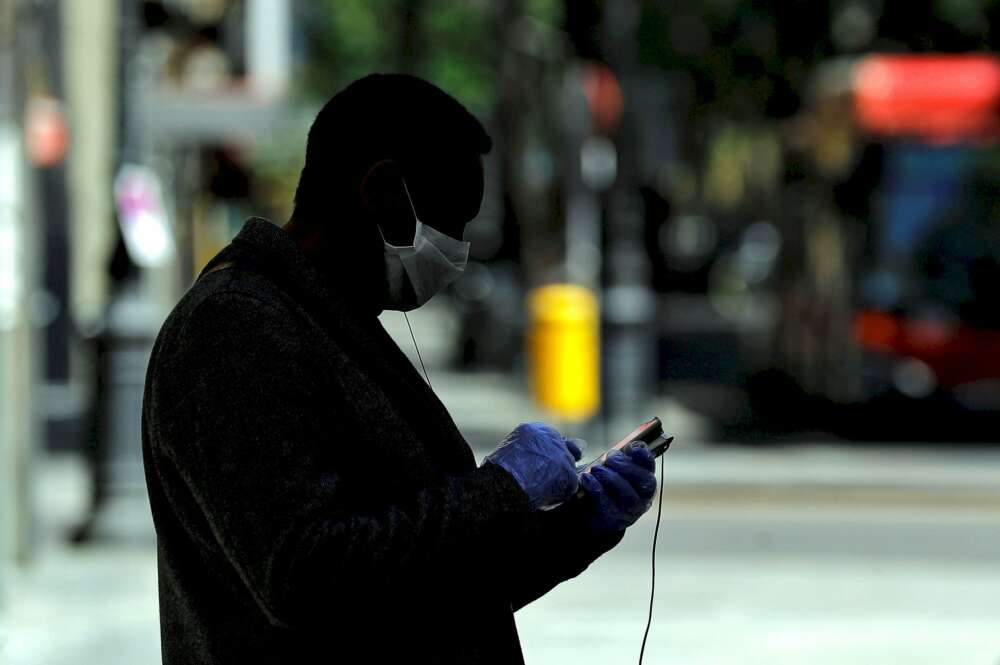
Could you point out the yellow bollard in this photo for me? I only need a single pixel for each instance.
(563, 341)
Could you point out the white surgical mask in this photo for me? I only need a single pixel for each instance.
(432, 262)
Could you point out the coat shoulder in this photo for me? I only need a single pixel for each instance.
(217, 316)
(246, 287)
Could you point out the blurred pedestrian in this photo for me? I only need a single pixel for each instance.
(313, 500)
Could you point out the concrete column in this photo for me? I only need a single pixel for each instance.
(269, 46)
(11, 318)
(90, 65)
(15, 376)
(17, 264)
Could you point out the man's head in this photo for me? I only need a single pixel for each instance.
(375, 134)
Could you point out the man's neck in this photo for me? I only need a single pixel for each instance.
(363, 278)
(308, 238)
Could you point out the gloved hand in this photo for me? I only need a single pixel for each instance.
(541, 461)
(621, 488)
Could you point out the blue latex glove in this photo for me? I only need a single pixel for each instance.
(621, 488)
(541, 461)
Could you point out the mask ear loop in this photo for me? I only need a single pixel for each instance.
(413, 209)
(413, 337)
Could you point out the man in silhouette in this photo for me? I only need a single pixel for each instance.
(313, 500)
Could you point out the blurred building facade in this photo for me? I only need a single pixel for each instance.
(86, 91)
(701, 167)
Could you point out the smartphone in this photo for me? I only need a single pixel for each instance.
(650, 433)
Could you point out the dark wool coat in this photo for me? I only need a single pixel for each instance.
(313, 500)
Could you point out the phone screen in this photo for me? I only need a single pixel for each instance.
(646, 432)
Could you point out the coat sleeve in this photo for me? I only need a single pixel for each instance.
(557, 546)
(260, 471)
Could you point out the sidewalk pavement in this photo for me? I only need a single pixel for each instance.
(95, 604)
(791, 582)
(98, 604)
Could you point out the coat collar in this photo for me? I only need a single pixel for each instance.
(267, 248)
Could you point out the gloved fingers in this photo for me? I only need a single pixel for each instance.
(540, 429)
(566, 453)
(547, 442)
(575, 447)
(617, 488)
(548, 435)
(640, 454)
(643, 481)
(566, 487)
(590, 485)
(524, 432)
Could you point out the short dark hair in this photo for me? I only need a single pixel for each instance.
(384, 116)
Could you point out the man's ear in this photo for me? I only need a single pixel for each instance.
(380, 188)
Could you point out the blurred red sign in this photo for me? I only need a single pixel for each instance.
(604, 97)
(940, 98)
(46, 135)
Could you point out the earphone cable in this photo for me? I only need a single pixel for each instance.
(652, 583)
(419, 357)
(659, 510)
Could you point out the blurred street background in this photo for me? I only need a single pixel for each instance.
(774, 225)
